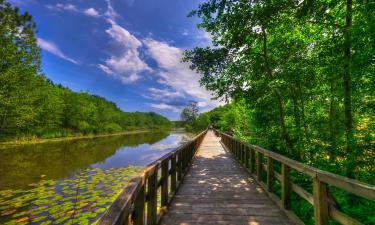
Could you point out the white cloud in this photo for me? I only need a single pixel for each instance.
(176, 74)
(110, 13)
(53, 49)
(155, 93)
(164, 106)
(63, 7)
(91, 12)
(60, 7)
(205, 37)
(185, 32)
(124, 64)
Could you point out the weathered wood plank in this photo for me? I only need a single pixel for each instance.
(217, 190)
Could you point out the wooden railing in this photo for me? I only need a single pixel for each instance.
(251, 157)
(138, 203)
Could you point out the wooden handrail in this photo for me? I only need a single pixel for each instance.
(143, 190)
(323, 208)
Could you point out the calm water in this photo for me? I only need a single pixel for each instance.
(74, 181)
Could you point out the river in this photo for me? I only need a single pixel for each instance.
(74, 181)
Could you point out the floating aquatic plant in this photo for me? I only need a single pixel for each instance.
(81, 199)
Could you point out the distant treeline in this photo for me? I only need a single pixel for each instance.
(31, 105)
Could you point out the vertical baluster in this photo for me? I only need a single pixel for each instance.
(320, 202)
(173, 173)
(259, 166)
(164, 182)
(152, 198)
(252, 160)
(139, 207)
(270, 174)
(179, 166)
(247, 153)
(241, 153)
(285, 186)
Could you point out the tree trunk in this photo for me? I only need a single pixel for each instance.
(278, 99)
(347, 90)
(332, 122)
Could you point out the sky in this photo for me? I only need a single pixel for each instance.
(128, 51)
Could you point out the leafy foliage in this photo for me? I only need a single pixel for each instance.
(81, 199)
(303, 73)
(32, 105)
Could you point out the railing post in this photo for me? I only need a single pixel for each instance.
(243, 156)
(320, 202)
(247, 153)
(179, 166)
(164, 183)
(269, 173)
(252, 160)
(285, 186)
(173, 173)
(139, 207)
(259, 166)
(184, 161)
(152, 184)
(238, 150)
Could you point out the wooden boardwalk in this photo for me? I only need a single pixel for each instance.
(217, 190)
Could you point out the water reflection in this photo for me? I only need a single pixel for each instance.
(75, 181)
(27, 164)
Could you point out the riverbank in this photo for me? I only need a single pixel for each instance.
(38, 140)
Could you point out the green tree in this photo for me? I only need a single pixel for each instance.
(19, 66)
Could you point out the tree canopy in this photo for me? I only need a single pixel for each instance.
(301, 73)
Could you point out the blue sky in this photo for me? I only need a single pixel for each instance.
(127, 51)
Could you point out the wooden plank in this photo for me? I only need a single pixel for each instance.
(164, 183)
(320, 202)
(269, 174)
(259, 166)
(303, 193)
(252, 160)
(285, 186)
(342, 217)
(118, 212)
(218, 189)
(152, 199)
(173, 173)
(247, 157)
(353, 186)
(139, 207)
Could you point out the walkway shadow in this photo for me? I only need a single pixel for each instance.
(217, 190)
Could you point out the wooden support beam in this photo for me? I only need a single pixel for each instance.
(247, 157)
(320, 202)
(270, 175)
(152, 198)
(285, 186)
(173, 173)
(259, 166)
(164, 183)
(252, 160)
(139, 207)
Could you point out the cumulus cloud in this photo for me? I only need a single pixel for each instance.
(91, 12)
(53, 49)
(124, 63)
(177, 75)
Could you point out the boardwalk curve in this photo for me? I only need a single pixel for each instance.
(217, 190)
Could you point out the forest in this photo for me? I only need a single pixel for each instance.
(32, 105)
(299, 77)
